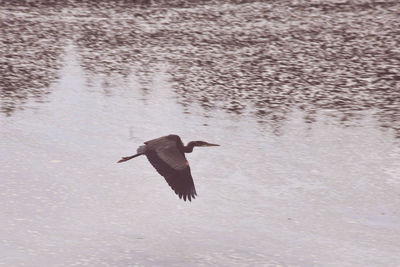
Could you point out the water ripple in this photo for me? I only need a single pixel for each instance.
(262, 59)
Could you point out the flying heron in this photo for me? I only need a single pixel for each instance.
(167, 155)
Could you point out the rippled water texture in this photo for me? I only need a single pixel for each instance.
(302, 96)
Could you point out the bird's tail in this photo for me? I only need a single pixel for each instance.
(123, 159)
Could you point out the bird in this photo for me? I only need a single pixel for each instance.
(167, 155)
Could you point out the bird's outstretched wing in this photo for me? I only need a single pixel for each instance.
(171, 163)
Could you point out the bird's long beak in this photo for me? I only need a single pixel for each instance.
(208, 144)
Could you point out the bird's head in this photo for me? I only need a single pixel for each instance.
(202, 143)
(192, 144)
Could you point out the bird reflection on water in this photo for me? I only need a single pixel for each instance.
(167, 155)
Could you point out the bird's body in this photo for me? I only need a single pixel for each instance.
(167, 155)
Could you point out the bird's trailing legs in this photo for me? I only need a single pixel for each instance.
(123, 159)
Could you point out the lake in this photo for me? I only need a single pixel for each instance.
(302, 96)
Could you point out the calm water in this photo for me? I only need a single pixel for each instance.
(304, 100)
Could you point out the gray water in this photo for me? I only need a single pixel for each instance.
(303, 97)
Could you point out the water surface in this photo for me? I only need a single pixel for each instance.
(303, 99)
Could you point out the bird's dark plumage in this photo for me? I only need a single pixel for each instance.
(167, 155)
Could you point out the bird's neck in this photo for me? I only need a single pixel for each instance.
(188, 148)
